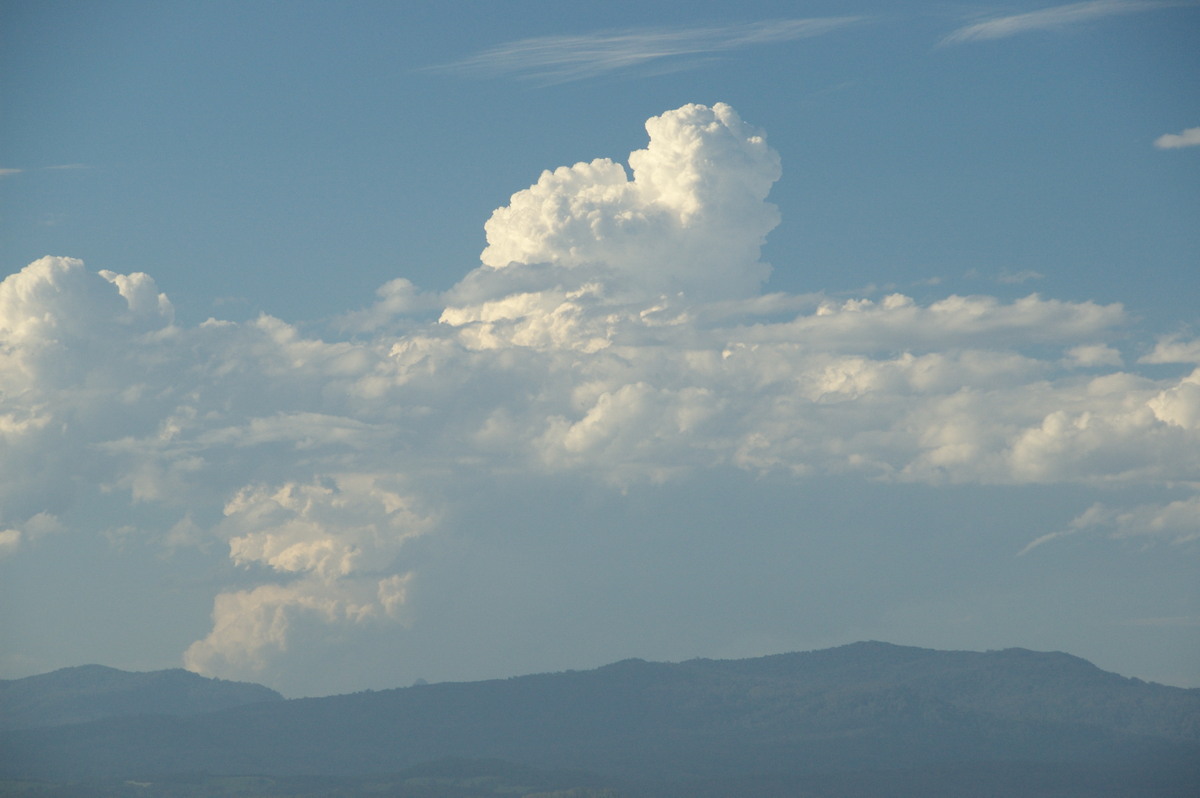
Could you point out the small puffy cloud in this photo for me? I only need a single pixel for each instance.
(1052, 18)
(1092, 356)
(558, 59)
(1179, 405)
(396, 299)
(1173, 141)
(10, 541)
(1174, 350)
(36, 527)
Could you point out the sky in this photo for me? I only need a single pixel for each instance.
(345, 345)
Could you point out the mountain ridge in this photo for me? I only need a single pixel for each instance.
(83, 693)
(852, 709)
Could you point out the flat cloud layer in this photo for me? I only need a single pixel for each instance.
(616, 329)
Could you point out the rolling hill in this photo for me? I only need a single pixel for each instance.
(814, 723)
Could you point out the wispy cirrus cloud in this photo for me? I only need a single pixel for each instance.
(1174, 141)
(561, 59)
(8, 172)
(1048, 19)
(1016, 278)
(1175, 620)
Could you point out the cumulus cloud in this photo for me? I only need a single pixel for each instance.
(691, 219)
(1092, 356)
(1173, 141)
(1052, 18)
(28, 531)
(1179, 405)
(340, 536)
(558, 59)
(252, 628)
(10, 541)
(1174, 350)
(614, 329)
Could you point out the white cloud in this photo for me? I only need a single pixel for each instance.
(1179, 405)
(1016, 278)
(1047, 19)
(343, 526)
(1173, 141)
(1177, 522)
(397, 298)
(614, 330)
(10, 541)
(1092, 356)
(691, 219)
(39, 526)
(340, 535)
(11, 171)
(554, 59)
(253, 628)
(1174, 350)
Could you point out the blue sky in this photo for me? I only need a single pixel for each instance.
(298, 417)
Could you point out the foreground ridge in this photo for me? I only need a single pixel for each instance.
(797, 719)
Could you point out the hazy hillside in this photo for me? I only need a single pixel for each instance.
(923, 718)
(93, 692)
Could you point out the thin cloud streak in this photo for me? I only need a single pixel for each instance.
(58, 167)
(1048, 19)
(1179, 620)
(561, 59)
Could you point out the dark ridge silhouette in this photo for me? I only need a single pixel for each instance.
(95, 692)
(841, 721)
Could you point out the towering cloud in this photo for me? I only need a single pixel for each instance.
(690, 221)
(615, 329)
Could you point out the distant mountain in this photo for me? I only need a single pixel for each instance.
(94, 692)
(842, 721)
